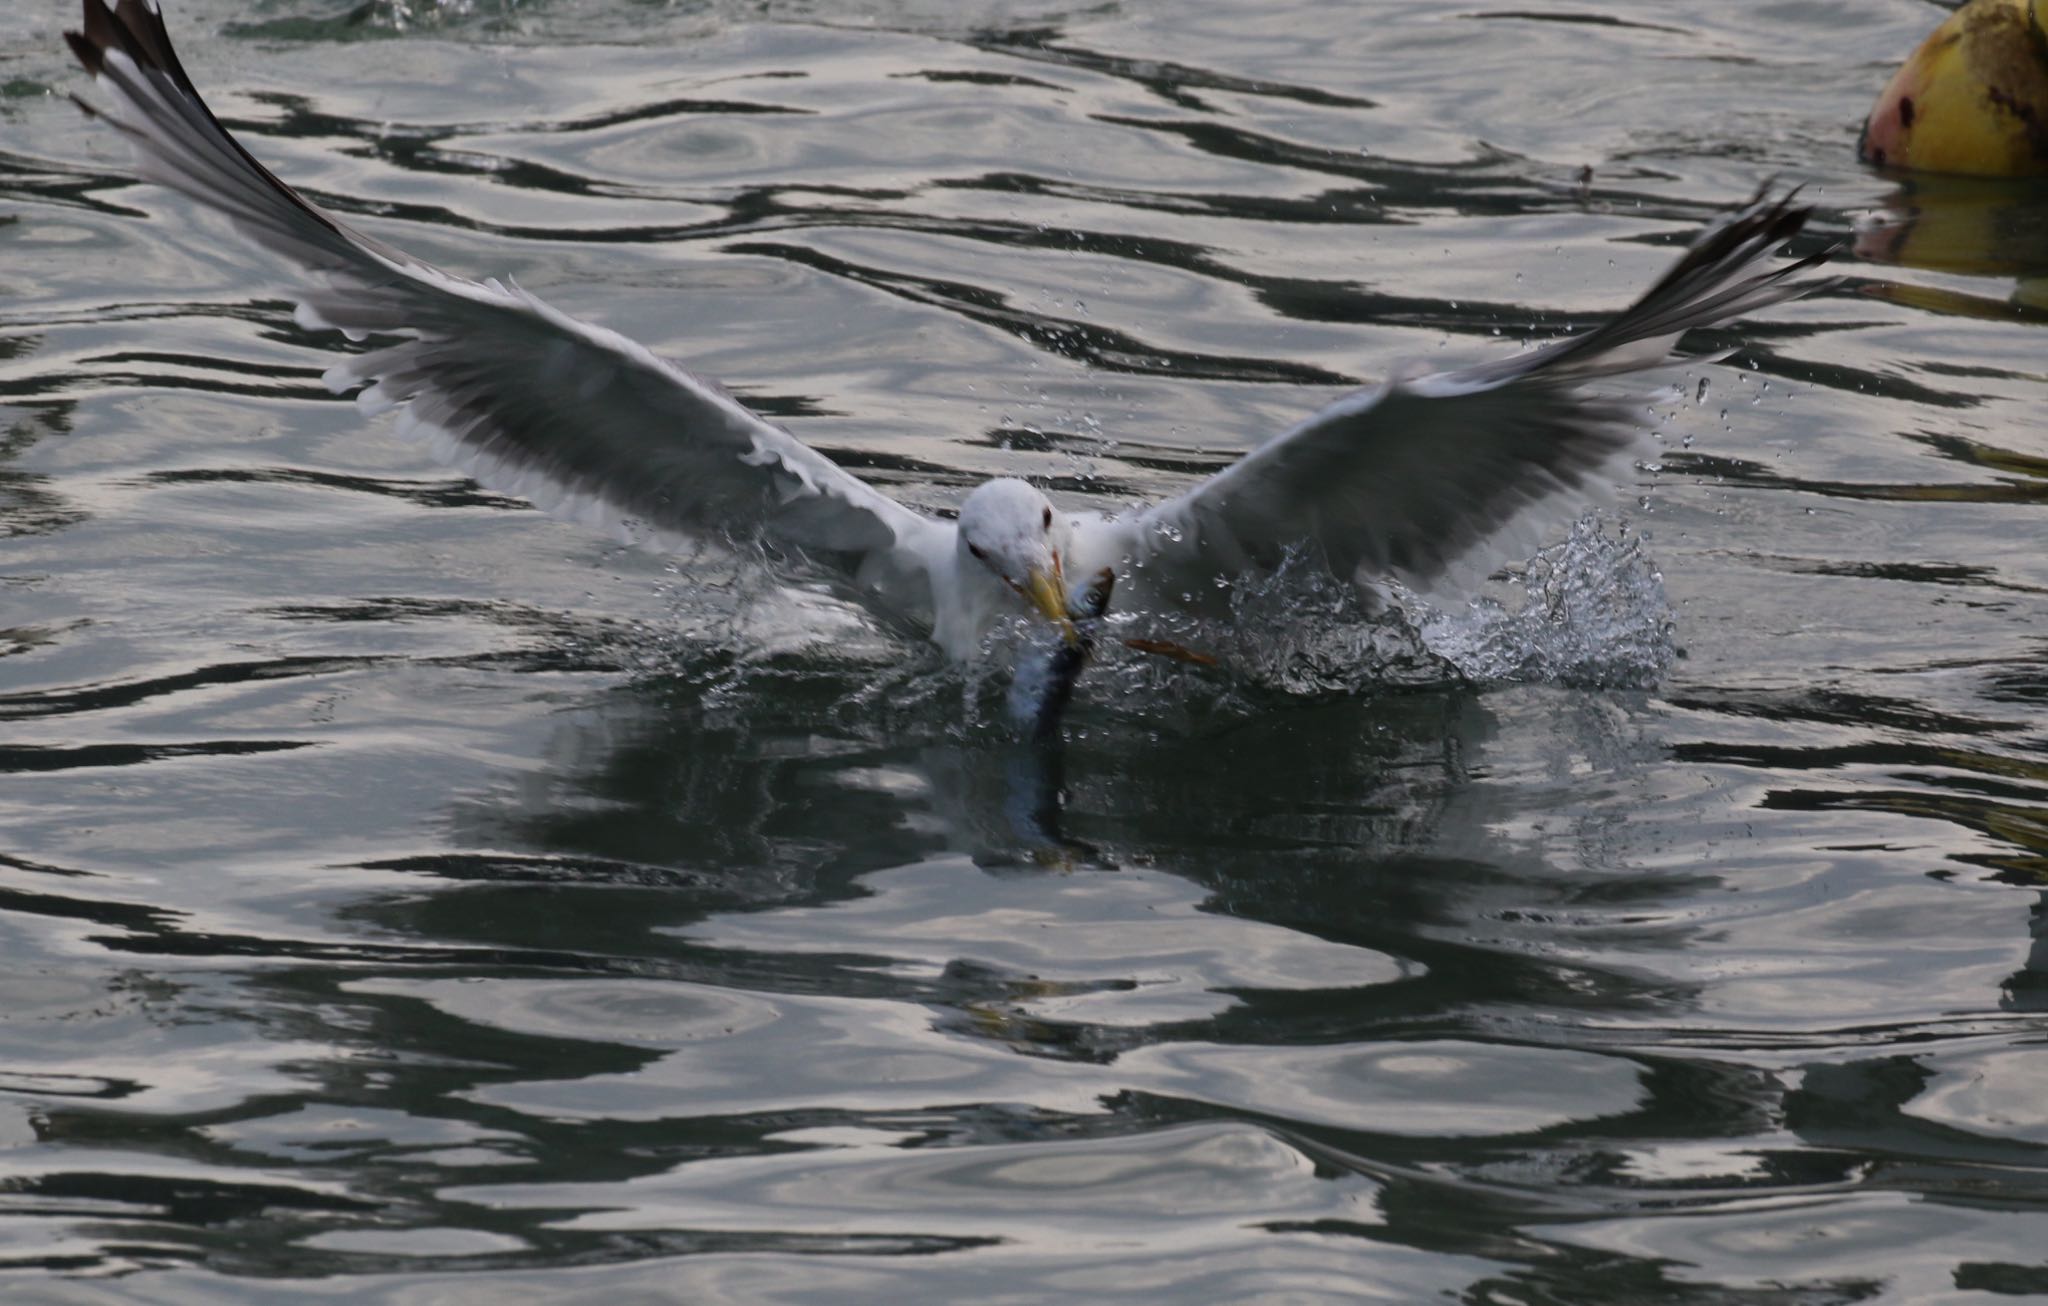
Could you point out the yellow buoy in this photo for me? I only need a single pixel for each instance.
(1972, 99)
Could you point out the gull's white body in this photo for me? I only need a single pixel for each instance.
(1421, 478)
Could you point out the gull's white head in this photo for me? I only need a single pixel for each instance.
(1014, 531)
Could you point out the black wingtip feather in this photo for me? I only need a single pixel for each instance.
(1712, 281)
(88, 52)
(133, 27)
(1771, 221)
(136, 29)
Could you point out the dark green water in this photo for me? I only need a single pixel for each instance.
(407, 898)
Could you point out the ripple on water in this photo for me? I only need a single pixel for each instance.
(2000, 1094)
(1126, 949)
(1398, 1088)
(859, 1054)
(1184, 1187)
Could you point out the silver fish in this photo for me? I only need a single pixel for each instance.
(1042, 688)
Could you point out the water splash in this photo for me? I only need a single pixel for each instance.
(1589, 611)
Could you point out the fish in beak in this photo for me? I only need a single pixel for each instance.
(1046, 593)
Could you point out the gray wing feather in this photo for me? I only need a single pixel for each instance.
(523, 397)
(1427, 478)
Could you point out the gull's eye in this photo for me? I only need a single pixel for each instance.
(1047, 523)
(975, 549)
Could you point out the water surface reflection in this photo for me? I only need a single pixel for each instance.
(407, 898)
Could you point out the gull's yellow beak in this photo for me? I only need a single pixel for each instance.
(1046, 593)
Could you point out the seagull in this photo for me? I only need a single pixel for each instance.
(1419, 479)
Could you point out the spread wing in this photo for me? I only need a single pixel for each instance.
(519, 395)
(1428, 478)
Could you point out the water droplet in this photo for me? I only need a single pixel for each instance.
(1700, 395)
